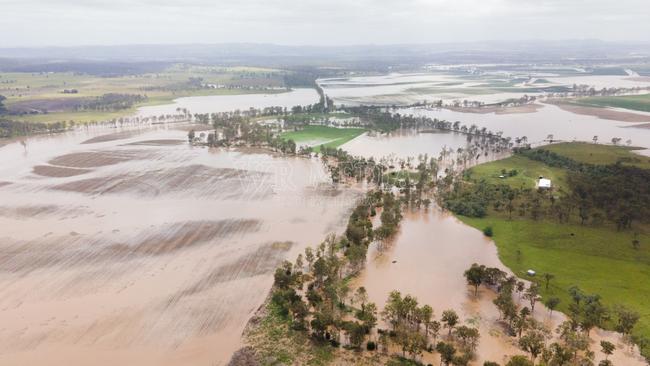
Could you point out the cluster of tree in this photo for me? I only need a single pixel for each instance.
(512, 102)
(618, 194)
(110, 102)
(315, 287)
(572, 345)
(9, 128)
(415, 330)
(360, 233)
(347, 166)
(582, 90)
(315, 298)
(415, 179)
(3, 109)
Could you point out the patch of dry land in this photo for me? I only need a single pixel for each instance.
(158, 254)
(602, 113)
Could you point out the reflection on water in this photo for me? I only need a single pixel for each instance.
(427, 259)
(153, 252)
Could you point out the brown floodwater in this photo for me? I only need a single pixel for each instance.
(402, 144)
(427, 259)
(132, 247)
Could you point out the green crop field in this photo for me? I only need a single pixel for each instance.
(632, 102)
(600, 154)
(317, 136)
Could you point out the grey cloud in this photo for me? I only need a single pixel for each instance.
(70, 22)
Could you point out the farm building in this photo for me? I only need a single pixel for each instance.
(544, 183)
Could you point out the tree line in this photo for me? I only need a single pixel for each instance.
(616, 194)
(572, 344)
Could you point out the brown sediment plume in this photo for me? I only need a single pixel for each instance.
(57, 171)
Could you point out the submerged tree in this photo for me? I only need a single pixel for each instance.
(450, 319)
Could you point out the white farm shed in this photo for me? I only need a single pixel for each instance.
(544, 183)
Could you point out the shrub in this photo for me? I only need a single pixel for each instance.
(371, 346)
(488, 231)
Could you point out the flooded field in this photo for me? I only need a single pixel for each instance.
(536, 123)
(548, 120)
(491, 86)
(427, 259)
(224, 103)
(402, 144)
(401, 89)
(132, 247)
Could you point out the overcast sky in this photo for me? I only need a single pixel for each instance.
(318, 22)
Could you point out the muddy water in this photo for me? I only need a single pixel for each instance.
(139, 249)
(224, 103)
(427, 259)
(402, 89)
(404, 143)
(550, 119)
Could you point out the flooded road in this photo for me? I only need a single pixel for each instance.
(132, 247)
(427, 259)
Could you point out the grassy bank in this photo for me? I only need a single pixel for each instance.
(317, 136)
(596, 257)
(632, 102)
(525, 172)
(599, 260)
(600, 154)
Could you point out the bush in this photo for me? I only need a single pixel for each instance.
(488, 231)
(371, 346)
